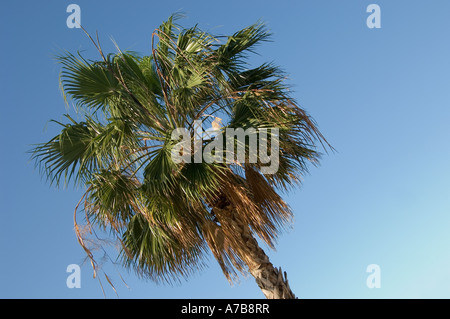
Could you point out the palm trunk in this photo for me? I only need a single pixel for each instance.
(269, 279)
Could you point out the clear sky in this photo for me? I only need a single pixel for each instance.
(380, 96)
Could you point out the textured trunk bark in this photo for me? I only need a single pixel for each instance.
(270, 280)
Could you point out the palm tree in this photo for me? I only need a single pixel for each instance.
(166, 214)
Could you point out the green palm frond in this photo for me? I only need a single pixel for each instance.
(91, 85)
(155, 251)
(82, 148)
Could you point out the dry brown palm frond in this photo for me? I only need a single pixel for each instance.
(267, 198)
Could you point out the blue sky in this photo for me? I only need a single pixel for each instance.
(380, 96)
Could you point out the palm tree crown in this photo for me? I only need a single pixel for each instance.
(167, 214)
